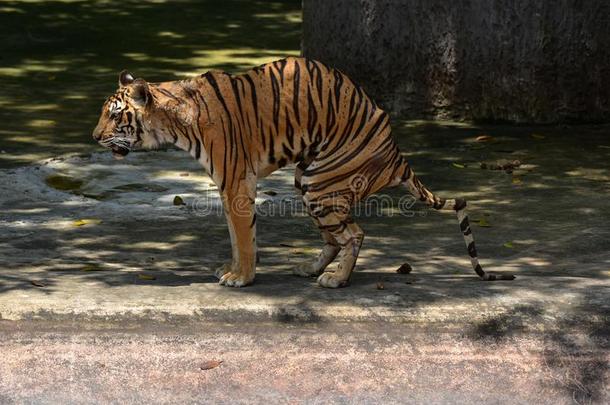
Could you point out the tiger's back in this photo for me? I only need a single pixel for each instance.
(300, 110)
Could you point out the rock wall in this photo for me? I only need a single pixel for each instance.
(501, 60)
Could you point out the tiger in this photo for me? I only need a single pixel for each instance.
(243, 127)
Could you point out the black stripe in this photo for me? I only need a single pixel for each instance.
(212, 158)
(460, 204)
(319, 86)
(287, 151)
(472, 250)
(282, 66)
(295, 96)
(330, 117)
(275, 88)
(289, 130)
(253, 94)
(338, 85)
(312, 116)
(197, 149)
(210, 78)
(464, 224)
(271, 157)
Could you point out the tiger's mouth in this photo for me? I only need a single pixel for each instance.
(119, 152)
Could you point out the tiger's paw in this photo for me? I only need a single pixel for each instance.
(329, 280)
(222, 270)
(231, 279)
(306, 269)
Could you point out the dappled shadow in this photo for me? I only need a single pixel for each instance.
(527, 231)
(573, 356)
(548, 229)
(60, 60)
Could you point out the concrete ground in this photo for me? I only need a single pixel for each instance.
(107, 290)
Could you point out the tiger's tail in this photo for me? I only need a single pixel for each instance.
(419, 191)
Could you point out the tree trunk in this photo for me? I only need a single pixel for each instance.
(501, 60)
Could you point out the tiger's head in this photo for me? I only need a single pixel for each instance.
(120, 126)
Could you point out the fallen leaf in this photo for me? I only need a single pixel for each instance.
(508, 245)
(178, 200)
(484, 138)
(380, 286)
(482, 223)
(404, 268)
(538, 136)
(146, 277)
(37, 283)
(210, 364)
(87, 221)
(184, 174)
(459, 166)
(517, 180)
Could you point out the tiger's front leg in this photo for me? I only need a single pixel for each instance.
(241, 218)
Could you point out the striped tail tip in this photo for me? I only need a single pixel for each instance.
(459, 206)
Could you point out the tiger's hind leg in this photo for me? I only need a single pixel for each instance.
(349, 236)
(331, 248)
(332, 214)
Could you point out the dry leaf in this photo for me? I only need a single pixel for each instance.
(87, 221)
(178, 200)
(210, 364)
(484, 138)
(537, 136)
(508, 245)
(146, 277)
(184, 174)
(404, 268)
(459, 166)
(38, 283)
(380, 286)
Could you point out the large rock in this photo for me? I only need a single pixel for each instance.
(515, 60)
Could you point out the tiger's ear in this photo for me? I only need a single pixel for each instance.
(140, 93)
(125, 78)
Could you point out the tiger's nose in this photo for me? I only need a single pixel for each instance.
(97, 134)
